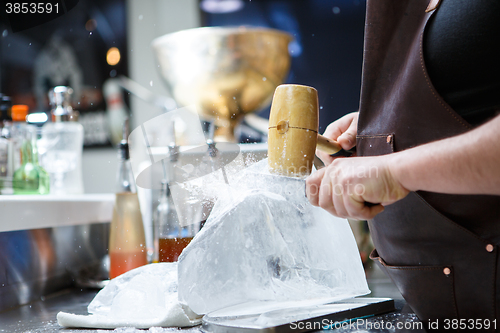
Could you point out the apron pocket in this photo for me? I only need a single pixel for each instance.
(371, 145)
(429, 288)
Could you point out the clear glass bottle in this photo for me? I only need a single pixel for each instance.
(127, 242)
(170, 238)
(30, 177)
(61, 145)
(18, 129)
(6, 146)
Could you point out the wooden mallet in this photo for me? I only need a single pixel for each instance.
(293, 131)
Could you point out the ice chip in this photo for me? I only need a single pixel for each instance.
(157, 330)
(125, 330)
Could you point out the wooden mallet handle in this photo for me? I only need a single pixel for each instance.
(331, 147)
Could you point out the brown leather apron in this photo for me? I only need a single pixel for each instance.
(440, 250)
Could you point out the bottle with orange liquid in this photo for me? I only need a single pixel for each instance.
(127, 243)
(170, 237)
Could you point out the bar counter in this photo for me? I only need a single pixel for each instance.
(40, 316)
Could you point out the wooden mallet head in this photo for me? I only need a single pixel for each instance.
(293, 131)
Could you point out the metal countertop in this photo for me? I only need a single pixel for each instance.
(40, 316)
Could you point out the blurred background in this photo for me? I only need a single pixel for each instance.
(99, 40)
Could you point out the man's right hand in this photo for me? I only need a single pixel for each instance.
(344, 131)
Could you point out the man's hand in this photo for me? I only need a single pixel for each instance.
(343, 131)
(355, 187)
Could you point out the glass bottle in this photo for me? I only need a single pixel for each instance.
(6, 146)
(18, 129)
(127, 242)
(30, 177)
(61, 145)
(170, 236)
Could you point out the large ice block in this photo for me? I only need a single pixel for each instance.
(265, 245)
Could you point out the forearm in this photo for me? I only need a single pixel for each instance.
(464, 164)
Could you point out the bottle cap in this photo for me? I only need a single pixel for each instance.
(19, 112)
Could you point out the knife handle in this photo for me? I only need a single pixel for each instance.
(331, 147)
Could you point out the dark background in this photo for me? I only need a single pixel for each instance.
(90, 43)
(327, 51)
(328, 48)
(90, 29)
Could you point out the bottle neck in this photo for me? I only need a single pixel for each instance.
(29, 152)
(165, 189)
(61, 113)
(60, 118)
(125, 181)
(165, 195)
